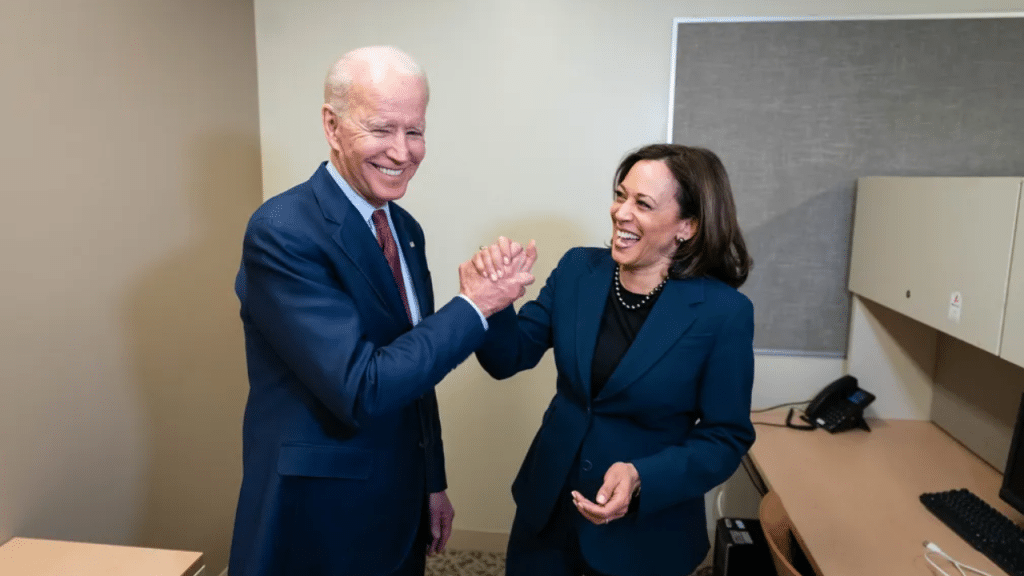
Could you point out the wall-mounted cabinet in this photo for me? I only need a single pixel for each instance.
(939, 250)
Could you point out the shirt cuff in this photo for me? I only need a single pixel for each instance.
(478, 312)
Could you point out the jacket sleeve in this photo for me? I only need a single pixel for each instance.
(295, 300)
(713, 449)
(517, 342)
(436, 478)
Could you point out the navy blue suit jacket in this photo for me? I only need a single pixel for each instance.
(677, 406)
(341, 438)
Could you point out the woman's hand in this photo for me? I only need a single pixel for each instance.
(491, 291)
(621, 481)
(504, 257)
(491, 260)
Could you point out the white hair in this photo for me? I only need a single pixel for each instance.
(377, 60)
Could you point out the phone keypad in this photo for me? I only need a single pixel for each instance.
(834, 416)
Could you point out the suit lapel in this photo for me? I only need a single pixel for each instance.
(593, 293)
(358, 244)
(673, 313)
(415, 260)
(356, 241)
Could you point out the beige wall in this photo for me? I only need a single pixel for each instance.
(976, 398)
(130, 162)
(533, 104)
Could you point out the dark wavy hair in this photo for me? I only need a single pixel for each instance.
(704, 194)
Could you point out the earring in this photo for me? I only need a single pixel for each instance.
(680, 240)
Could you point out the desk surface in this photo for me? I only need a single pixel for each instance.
(853, 496)
(34, 557)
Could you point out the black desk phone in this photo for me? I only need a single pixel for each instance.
(839, 406)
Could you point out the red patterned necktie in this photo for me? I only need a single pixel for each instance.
(387, 244)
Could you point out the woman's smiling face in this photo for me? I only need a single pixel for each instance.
(646, 227)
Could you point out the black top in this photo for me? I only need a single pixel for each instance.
(619, 327)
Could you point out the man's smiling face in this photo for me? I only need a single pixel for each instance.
(379, 140)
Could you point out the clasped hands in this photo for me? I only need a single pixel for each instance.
(498, 274)
(506, 266)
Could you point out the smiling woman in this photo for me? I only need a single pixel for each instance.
(680, 194)
(647, 225)
(654, 348)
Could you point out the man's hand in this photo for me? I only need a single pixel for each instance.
(490, 290)
(620, 482)
(441, 515)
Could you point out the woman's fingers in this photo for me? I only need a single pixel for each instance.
(505, 258)
(505, 247)
(484, 264)
(494, 253)
(596, 513)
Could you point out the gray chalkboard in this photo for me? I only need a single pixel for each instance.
(798, 110)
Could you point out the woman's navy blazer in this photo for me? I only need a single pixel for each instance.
(677, 406)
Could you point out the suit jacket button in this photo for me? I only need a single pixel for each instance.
(586, 465)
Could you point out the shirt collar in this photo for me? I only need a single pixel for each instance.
(364, 208)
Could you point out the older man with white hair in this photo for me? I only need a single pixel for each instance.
(342, 458)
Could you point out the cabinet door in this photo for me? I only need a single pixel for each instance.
(937, 250)
(1013, 324)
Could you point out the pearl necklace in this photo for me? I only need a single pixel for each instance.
(618, 294)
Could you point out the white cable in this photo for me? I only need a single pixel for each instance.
(718, 501)
(935, 548)
(934, 565)
(932, 547)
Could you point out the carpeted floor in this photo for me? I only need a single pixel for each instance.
(476, 563)
(466, 563)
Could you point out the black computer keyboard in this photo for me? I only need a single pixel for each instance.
(982, 526)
